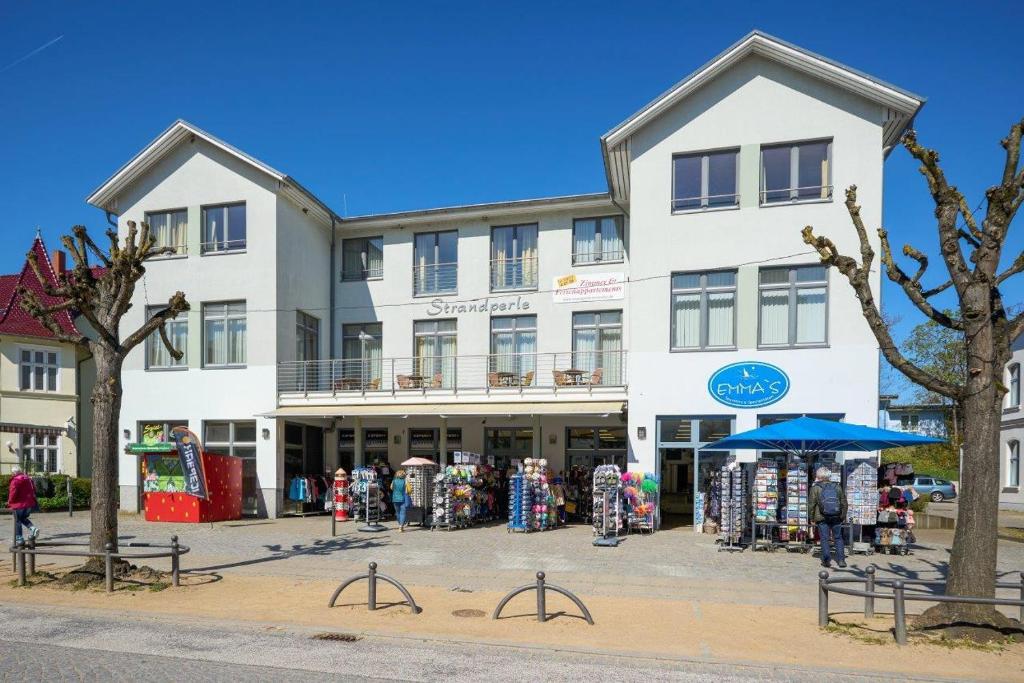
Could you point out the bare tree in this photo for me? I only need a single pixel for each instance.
(971, 255)
(102, 298)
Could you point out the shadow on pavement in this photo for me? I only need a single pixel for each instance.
(279, 552)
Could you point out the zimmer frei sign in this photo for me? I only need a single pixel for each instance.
(748, 385)
(598, 287)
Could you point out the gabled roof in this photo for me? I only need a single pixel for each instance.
(14, 319)
(490, 209)
(901, 105)
(105, 195)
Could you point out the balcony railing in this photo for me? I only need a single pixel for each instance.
(435, 278)
(509, 372)
(514, 273)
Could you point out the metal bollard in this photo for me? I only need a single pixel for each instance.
(175, 562)
(32, 557)
(71, 502)
(372, 600)
(108, 567)
(1021, 617)
(20, 562)
(869, 586)
(542, 612)
(822, 599)
(334, 522)
(899, 610)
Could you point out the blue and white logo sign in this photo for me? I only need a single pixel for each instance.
(748, 385)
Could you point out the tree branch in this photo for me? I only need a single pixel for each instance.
(44, 316)
(175, 305)
(929, 293)
(1015, 267)
(83, 237)
(912, 286)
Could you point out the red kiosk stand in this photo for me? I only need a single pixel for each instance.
(163, 482)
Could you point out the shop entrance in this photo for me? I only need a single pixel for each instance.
(677, 486)
(684, 469)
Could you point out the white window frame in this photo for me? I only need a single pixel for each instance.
(227, 316)
(228, 447)
(705, 183)
(794, 174)
(1013, 384)
(180, 250)
(1013, 463)
(793, 287)
(154, 338)
(599, 255)
(703, 290)
(364, 252)
(28, 445)
(32, 350)
(207, 247)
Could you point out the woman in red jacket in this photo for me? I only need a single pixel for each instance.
(21, 498)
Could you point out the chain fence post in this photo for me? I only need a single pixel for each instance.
(175, 562)
(20, 562)
(899, 609)
(372, 601)
(869, 586)
(108, 567)
(822, 599)
(542, 611)
(1021, 616)
(71, 502)
(32, 557)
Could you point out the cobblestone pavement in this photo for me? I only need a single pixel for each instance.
(673, 562)
(40, 643)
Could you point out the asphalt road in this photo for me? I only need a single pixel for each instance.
(54, 644)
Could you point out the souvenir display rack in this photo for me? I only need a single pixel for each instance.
(797, 513)
(766, 502)
(531, 505)
(359, 491)
(453, 497)
(421, 481)
(891, 533)
(733, 483)
(371, 508)
(607, 504)
(641, 493)
(861, 500)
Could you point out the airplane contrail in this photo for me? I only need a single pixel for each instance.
(31, 54)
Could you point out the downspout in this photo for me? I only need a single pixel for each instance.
(112, 222)
(330, 282)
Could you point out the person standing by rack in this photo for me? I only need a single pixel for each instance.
(400, 498)
(827, 506)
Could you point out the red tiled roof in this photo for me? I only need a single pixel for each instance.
(16, 320)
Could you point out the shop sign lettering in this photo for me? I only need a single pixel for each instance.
(748, 385)
(601, 287)
(485, 306)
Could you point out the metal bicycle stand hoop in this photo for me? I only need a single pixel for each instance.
(372, 577)
(541, 586)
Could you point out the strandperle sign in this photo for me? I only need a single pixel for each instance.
(485, 305)
(748, 385)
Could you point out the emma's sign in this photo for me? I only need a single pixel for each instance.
(442, 307)
(748, 385)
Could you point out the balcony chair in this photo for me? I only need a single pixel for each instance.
(561, 379)
(527, 379)
(492, 379)
(595, 377)
(404, 382)
(373, 384)
(438, 381)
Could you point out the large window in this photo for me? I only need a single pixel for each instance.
(434, 364)
(224, 332)
(507, 444)
(704, 310)
(796, 172)
(1013, 396)
(705, 180)
(39, 452)
(793, 306)
(362, 258)
(38, 369)
(1013, 463)
(597, 346)
(592, 446)
(361, 345)
(169, 229)
(157, 355)
(237, 439)
(513, 351)
(597, 240)
(514, 257)
(307, 336)
(435, 265)
(223, 228)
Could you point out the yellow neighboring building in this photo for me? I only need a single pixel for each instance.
(45, 423)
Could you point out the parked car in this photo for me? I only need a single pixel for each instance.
(936, 489)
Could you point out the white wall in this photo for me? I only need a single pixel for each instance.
(1011, 497)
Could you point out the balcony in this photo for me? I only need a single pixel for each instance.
(435, 278)
(510, 274)
(528, 376)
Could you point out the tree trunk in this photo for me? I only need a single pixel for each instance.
(106, 402)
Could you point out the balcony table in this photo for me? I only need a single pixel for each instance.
(416, 381)
(574, 376)
(506, 379)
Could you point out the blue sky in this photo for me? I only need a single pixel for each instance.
(388, 106)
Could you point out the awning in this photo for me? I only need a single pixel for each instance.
(11, 428)
(453, 409)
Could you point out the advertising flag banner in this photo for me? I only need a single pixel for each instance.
(599, 287)
(190, 453)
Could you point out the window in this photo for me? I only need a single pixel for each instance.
(704, 310)
(307, 336)
(592, 446)
(224, 334)
(157, 355)
(1013, 396)
(39, 452)
(223, 228)
(39, 370)
(514, 257)
(362, 258)
(361, 345)
(169, 228)
(793, 306)
(597, 346)
(435, 265)
(1013, 464)
(435, 349)
(597, 240)
(904, 422)
(706, 180)
(796, 172)
(507, 444)
(513, 351)
(237, 439)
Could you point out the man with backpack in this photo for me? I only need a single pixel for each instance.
(828, 510)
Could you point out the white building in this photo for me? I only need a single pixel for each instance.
(1012, 433)
(582, 328)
